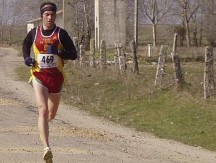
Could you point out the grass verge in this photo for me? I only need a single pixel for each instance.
(134, 101)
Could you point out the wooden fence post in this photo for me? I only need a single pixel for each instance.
(209, 85)
(134, 52)
(82, 55)
(103, 54)
(179, 77)
(161, 65)
(92, 53)
(117, 54)
(76, 44)
(116, 60)
(149, 50)
(121, 56)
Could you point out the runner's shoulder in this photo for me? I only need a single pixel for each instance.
(32, 32)
(63, 31)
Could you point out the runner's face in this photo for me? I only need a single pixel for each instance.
(48, 19)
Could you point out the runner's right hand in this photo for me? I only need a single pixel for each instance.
(52, 49)
(29, 61)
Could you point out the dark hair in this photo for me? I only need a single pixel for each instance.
(50, 7)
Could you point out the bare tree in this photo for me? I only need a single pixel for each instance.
(155, 10)
(188, 9)
(15, 13)
(207, 21)
(6, 18)
(84, 20)
(88, 24)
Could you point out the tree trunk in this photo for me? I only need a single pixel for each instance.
(154, 21)
(187, 30)
(154, 30)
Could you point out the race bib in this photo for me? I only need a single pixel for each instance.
(47, 60)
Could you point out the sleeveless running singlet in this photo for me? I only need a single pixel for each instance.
(44, 61)
(48, 68)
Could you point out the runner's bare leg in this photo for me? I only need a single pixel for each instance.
(53, 104)
(41, 95)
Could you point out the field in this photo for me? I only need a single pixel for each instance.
(134, 101)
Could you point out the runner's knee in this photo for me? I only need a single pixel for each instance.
(43, 111)
(51, 116)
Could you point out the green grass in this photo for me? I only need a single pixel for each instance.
(133, 100)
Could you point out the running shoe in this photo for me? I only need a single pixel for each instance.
(48, 156)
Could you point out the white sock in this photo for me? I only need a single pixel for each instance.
(47, 148)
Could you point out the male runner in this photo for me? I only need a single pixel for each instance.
(51, 46)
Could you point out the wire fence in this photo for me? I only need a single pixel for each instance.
(125, 61)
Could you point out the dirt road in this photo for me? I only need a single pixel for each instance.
(75, 135)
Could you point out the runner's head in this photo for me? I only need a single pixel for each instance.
(48, 14)
(47, 6)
